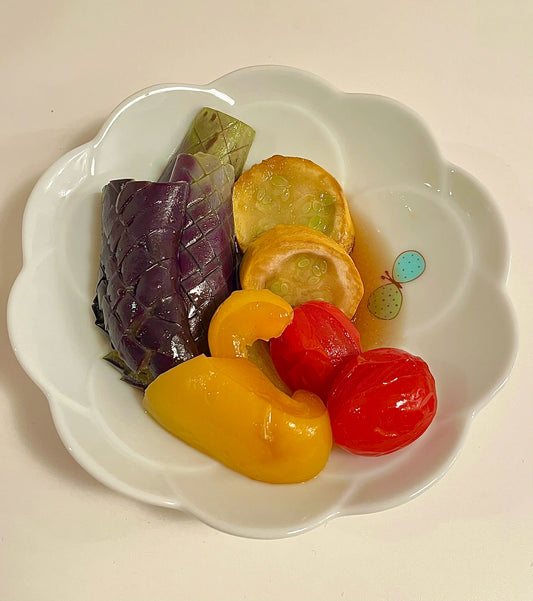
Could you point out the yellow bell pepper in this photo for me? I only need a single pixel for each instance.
(243, 324)
(228, 409)
(244, 317)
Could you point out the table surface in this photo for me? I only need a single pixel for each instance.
(467, 69)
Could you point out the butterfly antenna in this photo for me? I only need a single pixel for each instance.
(389, 278)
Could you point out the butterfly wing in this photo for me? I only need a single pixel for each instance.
(408, 266)
(385, 302)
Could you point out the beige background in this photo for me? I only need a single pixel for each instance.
(467, 69)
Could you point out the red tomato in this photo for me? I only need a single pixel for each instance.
(381, 401)
(314, 346)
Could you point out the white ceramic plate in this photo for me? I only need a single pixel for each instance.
(456, 315)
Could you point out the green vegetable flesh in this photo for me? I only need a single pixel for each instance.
(219, 134)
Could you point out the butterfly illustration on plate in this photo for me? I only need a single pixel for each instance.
(386, 301)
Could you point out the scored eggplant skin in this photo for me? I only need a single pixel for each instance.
(218, 134)
(207, 251)
(138, 301)
(169, 254)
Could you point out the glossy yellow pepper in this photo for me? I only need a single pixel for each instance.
(244, 317)
(229, 409)
(243, 324)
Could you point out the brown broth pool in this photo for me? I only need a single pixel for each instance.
(372, 257)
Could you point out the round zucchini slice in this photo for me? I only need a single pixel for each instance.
(290, 190)
(300, 264)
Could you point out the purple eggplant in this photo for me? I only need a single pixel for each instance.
(139, 302)
(207, 247)
(168, 251)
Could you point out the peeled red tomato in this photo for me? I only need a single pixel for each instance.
(381, 401)
(319, 340)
